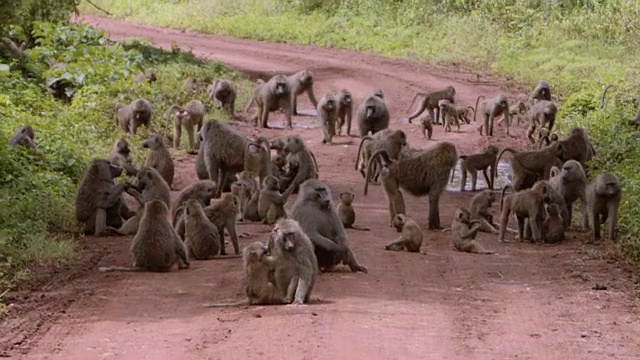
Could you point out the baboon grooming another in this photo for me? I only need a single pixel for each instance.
(603, 200)
(411, 238)
(430, 103)
(479, 210)
(464, 231)
(156, 246)
(542, 91)
(159, 157)
(223, 151)
(531, 166)
(273, 95)
(223, 94)
(301, 82)
(201, 237)
(570, 183)
(189, 116)
(202, 191)
(24, 136)
(372, 114)
(476, 162)
(552, 227)
(345, 110)
(130, 117)
(299, 153)
(491, 109)
(121, 156)
(314, 211)
(525, 204)
(346, 212)
(328, 115)
(425, 173)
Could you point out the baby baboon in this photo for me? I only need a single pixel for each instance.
(479, 210)
(525, 204)
(531, 166)
(314, 211)
(393, 141)
(189, 116)
(552, 227)
(130, 117)
(345, 110)
(603, 200)
(24, 136)
(271, 202)
(223, 151)
(544, 112)
(425, 173)
(301, 82)
(542, 91)
(159, 157)
(306, 170)
(156, 246)
(273, 95)
(430, 103)
(191, 84)
(462, 111)
(121, 156)
(427, 126)
(490, 109)
(201, 237)
(328, 115)
(476, 162)
(570, 183)
(296, 266)
(201, 190)
(411, 238)
(149, 76)
(372, 115)
(257, 161)
(346, 212)
(464, 231)
(223, 94)
(449, 115)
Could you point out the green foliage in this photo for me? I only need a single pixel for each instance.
(24, 12)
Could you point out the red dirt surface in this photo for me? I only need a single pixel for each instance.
(526, 302)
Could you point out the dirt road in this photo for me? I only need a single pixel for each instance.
(526, 302)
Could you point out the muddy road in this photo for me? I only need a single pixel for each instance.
(526, 302)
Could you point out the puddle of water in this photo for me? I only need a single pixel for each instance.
(503, 176)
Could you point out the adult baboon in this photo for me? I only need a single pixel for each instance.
(202, 191)
(526, 204)
(372, 115)
(149, 76)
(411, 238)
(270, 96)
(552, 226)
(99, 200)
(328, 115)
(130, 117)
(570, 182)
(491, 109)
(544, 112)
(464, 231)
(425, 173)
(121, 156)
(24, 136)
(430, 103)
(476, 162)
(156, 246)
(603, 200)
(201, 237)
(190, 116)
(393, 141)
(223, 150)
(345, 110)
(315, 213)
(159, 157)
(346, 212)
(271, 201)
(191, 84)
(257, 160)
(531, 166)
(542, 91)
(299, 152)
(577, 146)
(301, 82)
(223, 94)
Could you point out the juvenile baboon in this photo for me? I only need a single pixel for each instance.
(201, 190)
(462, 111)
(24, 136)
(328, 115)
(156, 246)
(223, 214)
(427, 126)
(301, 82)
(271, 201)
(159, 157)
(544, 112)
(296, 266)
(411, 238)
(430, 103)
(201, 237)
(306, 170)
(223, 94)
(542, 91)
(315, 213)
(530, 166)
(516, 112)
(121, 156)
(393, 141)
(257, 161)
(190, 117)
(543, 137)
(191, 84)
(251, 209)
(346, 212)
(526, 204)
(479, 210)
(552, 227)
(476, 162)
(149, 76)
(345, 110)
(130, 117)
(372, 115)
(464, 231)
(270, 96)
(603, 200)
(223, 151)
(570, 182)
(490, 109)
(449, 115)
(425, 173)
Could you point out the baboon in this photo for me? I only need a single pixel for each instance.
(525, 204)
(159, 157)
(251, 209)
(544, 112)
(372, 115)
(201, 190)
(570, 182)
(156, 246)
(430, 103)
(479, 210)
(296, 266)
(223, 94)
(306, 170)
(121, 156)
(257, 161)
(130, 117)
(393, 141)
(603, 200)
(476, 162)
(301, 82)
(552, 227)
(346, 212)
(449, 115)
(425, 173)
(223, 151)
(315, 213)
(427, 126)
(328, 115)
(149, 76)
(271, 201)
(345, 110)
(201, 237)
(530, 166)
(462, 111)
(490, 109)
(577, 146)
(223, 215)
(191, 84)
(411, 238)
(24, 136)
(516, 112)
(99, 200)
(189, 116)
(270, 96)
(543, 137)
(542, 91)
(464, 231)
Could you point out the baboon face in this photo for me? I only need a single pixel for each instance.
(317, 192)
(330, 103)
(191, 207)
(370, 111)
(271, 182)
(572, 170)
(607, 185)
(123, 147)
(151, 76)
(400, 137)
(306, 78)
(253, 253)
(277, 144)
(552, 210)
(346, 198)
(281, 85)
(345, 98)
(462, 215)
(153, 142)
(294, 145)
(398, 221)
(451, 90)
(27, 131)
(25, 141)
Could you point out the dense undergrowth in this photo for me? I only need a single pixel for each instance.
(578, 46)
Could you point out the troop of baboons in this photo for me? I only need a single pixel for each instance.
(241, 180)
